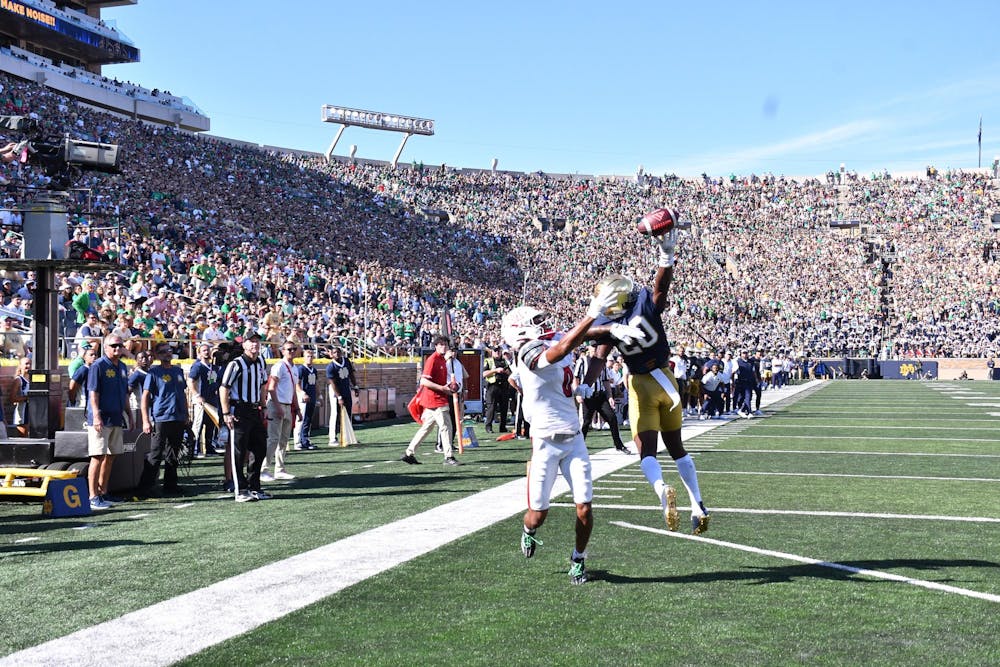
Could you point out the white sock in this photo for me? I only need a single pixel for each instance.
(529, 531)
(685, 468)
(654, 474)
(579, 556)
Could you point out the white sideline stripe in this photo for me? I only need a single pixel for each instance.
(183, 506)
(169, 631)
(877, 574)
(26, 539)
(825, 513)
(839, 451)
(601, 496)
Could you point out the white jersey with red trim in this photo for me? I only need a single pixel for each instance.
(548, 391)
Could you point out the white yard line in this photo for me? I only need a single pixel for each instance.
(778, 436)
(852, 453)
(174, 629)
(847, 515)
(877, 574)
(869, 427)
(702, 471)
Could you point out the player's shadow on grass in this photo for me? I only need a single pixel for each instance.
(35, 548)
(789, 573)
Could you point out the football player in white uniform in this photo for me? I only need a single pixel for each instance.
(545, 371)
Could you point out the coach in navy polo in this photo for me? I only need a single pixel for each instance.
(107, 389)
(164, 414)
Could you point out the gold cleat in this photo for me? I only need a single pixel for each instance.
(670, 510)
(699, 522)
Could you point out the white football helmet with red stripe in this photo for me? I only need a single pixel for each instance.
(522, 324)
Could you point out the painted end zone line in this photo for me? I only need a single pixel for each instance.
(812, 561)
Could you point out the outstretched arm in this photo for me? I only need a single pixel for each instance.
(666, 245)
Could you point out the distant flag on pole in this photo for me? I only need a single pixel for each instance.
(980, 163)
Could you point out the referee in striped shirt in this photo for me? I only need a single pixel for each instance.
(241, 397)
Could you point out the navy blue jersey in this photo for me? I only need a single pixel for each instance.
(206, 380)
(341, 374)
(746, 373)
(166, 387)
(653, 351)
(306, 378)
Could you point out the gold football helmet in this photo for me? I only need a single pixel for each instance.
(626, 291)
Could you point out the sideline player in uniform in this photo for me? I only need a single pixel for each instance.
(545, 368)
(654, 403)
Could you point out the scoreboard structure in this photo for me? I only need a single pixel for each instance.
(374, 120)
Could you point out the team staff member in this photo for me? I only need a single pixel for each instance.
(497, 395)
(681, 375)
(340, 374)
(745, 380)
(241, 396)
(108, 414)
(203, 382)
(305, 378)
(164, 414)
(281, 411)
(599, 401)
(457, 375)
(654, 402)
(137, 378)
(435, 398)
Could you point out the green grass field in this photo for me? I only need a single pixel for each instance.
(899, 478)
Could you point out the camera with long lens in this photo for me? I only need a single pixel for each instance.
(60, 157)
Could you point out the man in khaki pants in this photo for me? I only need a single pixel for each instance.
(281, 408)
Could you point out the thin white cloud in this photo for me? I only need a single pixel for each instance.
(805, 146)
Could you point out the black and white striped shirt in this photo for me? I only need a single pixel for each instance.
(245, 379)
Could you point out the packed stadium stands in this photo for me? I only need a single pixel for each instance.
(294, 245)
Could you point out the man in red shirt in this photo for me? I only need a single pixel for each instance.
(435, 397)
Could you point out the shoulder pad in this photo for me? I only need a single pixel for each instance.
(531, 352)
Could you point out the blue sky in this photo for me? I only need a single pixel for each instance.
(793, 88)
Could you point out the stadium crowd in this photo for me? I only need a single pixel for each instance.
(215, 239)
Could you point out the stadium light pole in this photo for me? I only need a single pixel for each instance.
(374, 120)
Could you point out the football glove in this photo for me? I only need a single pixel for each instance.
(607, 297)
(583, 391)
(626, 334)
(667, 243)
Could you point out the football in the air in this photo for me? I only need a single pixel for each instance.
(658, 222)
